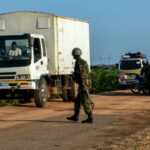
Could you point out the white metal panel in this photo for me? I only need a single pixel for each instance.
(2, 24)
(71, 34)
(43, 23)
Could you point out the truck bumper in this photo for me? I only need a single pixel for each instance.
(127, 79)
(19, 85)
(127, 82)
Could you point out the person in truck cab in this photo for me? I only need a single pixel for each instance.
(15, 51)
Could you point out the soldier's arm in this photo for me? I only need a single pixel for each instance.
(84, 71)
(75, 74)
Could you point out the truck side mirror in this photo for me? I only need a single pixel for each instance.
(31, 41)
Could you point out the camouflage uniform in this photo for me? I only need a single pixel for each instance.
(81, 76)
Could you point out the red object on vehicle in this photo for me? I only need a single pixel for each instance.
(140, 76)
(37, 67)
(122, 78)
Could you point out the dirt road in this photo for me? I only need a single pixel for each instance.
(121, 122)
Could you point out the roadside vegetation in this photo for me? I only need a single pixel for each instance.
(8, 101)
(104, 78)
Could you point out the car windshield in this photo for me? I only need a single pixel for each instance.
(130, 64)
(14, 51)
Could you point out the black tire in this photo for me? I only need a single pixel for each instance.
(49, 92)
(65, 95)
(41, 95)
(135, 89)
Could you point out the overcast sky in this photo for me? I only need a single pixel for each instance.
(116, 26)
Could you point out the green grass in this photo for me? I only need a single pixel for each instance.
(5, 102)
(9, 101)
(56, 96)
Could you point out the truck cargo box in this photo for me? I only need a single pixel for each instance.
(62, 34)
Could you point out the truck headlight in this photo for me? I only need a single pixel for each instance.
(23, 76)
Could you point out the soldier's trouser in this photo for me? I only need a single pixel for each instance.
(82, 100)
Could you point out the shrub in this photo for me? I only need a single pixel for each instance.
(104, 80)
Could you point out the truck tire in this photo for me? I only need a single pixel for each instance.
(65, 95)
(74, 90)
(49, 92)
(41, 95)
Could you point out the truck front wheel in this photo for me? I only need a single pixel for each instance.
(41, 95)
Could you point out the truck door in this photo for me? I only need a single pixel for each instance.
(40, 59)
(44, 54)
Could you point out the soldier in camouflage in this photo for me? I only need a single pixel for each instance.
(81, 77)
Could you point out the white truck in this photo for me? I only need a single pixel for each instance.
(46, 64)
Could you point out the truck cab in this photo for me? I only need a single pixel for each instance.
(22, 72)
(28, 66)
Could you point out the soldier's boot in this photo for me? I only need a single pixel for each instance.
(89, 119)
(75, 117)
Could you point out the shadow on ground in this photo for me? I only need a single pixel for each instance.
(121, 93)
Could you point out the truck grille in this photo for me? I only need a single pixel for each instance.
(7, 75)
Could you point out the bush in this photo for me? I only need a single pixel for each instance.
(9, 101)
(5, 102)
(104, 80)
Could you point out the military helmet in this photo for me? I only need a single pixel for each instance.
(76, 52)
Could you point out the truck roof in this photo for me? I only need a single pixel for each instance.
(122, 59)
(45, 13)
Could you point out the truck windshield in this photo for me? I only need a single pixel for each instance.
(14, 51)
(130, 64)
